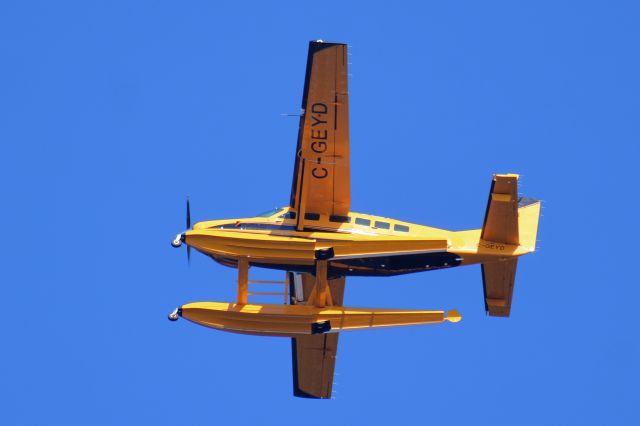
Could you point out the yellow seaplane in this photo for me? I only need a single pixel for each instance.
(319, 241)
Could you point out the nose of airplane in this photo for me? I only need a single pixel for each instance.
(178, 240)
(175, 314)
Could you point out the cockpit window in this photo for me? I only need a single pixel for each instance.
(400, 228)
(269, 213)
(288, 215)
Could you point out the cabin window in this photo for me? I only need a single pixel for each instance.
(312, 216)
(288, 215)
(267, 226)
(401, 228)
(269, 213)
(222, 226)
(362, 221)
(382, 225)
(339, 219)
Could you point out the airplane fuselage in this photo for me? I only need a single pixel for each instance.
(364, 245)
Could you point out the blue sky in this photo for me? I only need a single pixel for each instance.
(112, 112)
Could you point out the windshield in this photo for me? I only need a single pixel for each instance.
(269, 213)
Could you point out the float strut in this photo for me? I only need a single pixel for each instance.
(323, 295)
(243, 280)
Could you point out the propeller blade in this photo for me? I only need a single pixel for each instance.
(188, 227)
(188, 214)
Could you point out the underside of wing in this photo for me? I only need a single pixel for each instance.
(314, 356)
(321, 173)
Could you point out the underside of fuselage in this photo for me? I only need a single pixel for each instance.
(377, 266)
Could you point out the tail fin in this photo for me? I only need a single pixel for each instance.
(508, 220)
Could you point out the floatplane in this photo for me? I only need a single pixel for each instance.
(318, 241)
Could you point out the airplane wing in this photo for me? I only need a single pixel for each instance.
(314, 356)
(321, 173)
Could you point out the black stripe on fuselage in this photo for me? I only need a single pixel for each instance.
(368, 266)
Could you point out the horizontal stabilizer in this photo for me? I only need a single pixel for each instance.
(501, 219)
(510, 219)
(498, 279)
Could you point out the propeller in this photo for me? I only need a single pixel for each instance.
(177, 242)
(188, 214)
(188, 227)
